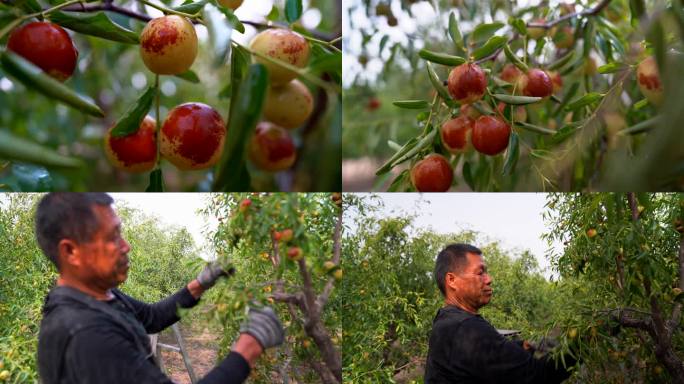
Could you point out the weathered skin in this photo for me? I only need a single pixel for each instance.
(46, 45)
(232, 4)
(490, 135)
(192, 136)
(284, 45)
(271, 148)
(290, 105)
(456, 133)
(168, 45)
(136, 152)
(649, 82)
(467, 83)
(432, 174)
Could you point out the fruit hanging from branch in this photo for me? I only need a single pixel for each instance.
(47, 46)
(467, 83)
(168, 45)
(432, 174)
(136, 152)
(284, 45)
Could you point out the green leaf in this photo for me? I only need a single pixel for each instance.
(441, 58)
(293, 10)
(437, 83)
(455, 34)
(468, 175)
(484, 31)
(29, 6)
(130, 122)
(515, 59)
(423, 143)
(230, 17)
(519, 25)
(642, 126)
(388, 164)
(566, 98)
(399, 181)
(562, 61)
(325, 61)
(189, 75)
(34, 78)
(95, 24)
(534, 128)
(412, 104)
(489, 47)
(383, 42)
(516, 100)
(156, 181)
(511, 154)
(32, 178)
(612, 68)
(19, 149)
(637, 9)
(585, 100)
(190, 7)
(245, 112)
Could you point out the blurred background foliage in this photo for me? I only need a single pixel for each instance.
(581, 152)
(113, 75)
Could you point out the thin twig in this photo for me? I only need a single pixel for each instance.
(587, 12)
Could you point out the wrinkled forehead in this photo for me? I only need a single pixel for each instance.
(107, 218)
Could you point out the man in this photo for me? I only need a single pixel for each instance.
(464, 347)
(94, 333)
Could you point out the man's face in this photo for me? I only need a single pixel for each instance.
(473, 285)
(104, 259)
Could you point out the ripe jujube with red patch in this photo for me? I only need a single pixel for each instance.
(648, 79)
(284, 45)
(536, 83)
(271, 148)
(432, 174)
(46, 45)
(136, 152)
(168, 45)
(192, 136)
(455, 134)
(467, 83)
(490, 135)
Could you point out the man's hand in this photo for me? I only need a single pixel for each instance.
(263, 325)
(212, 272)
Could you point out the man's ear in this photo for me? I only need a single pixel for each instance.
(450, 279)
(69, 253)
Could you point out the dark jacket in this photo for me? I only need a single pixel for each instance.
(465, 348)
(84, 340)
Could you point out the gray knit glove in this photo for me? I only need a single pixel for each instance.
(263, 324)
(212, 272)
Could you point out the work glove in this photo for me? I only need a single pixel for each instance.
(211, 273)
(263, 324)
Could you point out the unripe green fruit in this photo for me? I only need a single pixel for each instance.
(283, 45)
(290, 105)
(168, 45)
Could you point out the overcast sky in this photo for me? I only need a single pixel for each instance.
(175, 209)
(512, 218)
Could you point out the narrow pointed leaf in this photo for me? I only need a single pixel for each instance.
(441, 58)
(34, 78)
(388, 164)
(583, 101)
(95, 24)
(511, 154)
(156, 181)
(293, 10)
(515, 59)
(19, 149)
(130, 122)
(489, 47)
(516, 100)
(612, 68)
(412, 104)
(535, 128)
(561, 62)
(437, 83)
(245, 112)
(484, 31)
(455, 33)
(189, 75)
(191, 7)
(231, 18)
